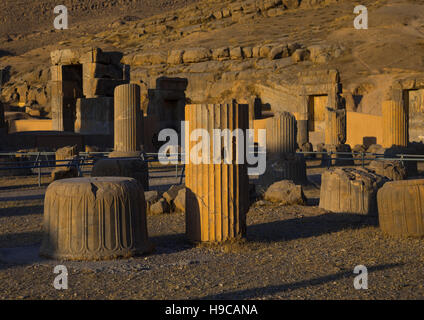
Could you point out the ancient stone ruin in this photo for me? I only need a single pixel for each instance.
(217, 196)
(82, 86)
(128, 134)
(350, 191)
(401, 208)
(94, 219)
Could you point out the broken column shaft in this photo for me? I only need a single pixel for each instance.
(217, 196)
(128, 119)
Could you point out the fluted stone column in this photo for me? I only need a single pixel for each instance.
(128, 120)
(282, 131)
(302, 129)
(395, 124)
(335, 126)
(217, 197)
(94, 219)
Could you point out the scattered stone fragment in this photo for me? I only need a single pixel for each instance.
(285, 193)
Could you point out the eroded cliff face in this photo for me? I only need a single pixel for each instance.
(241, 50)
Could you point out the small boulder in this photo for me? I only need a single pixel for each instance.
(180, 201)
(285, 193)
(172, 193)
(393, 170)
(159, 207)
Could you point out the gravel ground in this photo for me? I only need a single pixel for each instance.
(291, 253)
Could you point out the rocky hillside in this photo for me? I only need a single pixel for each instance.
(234, 49)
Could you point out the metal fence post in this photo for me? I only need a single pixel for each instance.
(39, 169)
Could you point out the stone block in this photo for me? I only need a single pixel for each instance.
(195, 55)
(346, 190)
(65, 56)
(394, 170)
(401, 208)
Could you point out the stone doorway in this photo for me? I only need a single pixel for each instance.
(317, 105)
(65, 93)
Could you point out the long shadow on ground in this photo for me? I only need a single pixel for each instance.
(278, 289)
(298, 228)
(21, 211)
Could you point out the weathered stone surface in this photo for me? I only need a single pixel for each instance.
(395, 124)
(149, 58)
(96, 55)
(357, 153)
(335, 126)
(393, 170)
(132, 168)
(128, 118)
(285, 193)
(66, 153)
(172, 193)
(94, 116)
(247, 52)
(401, 208)
(236, 53)
(65, 56)
(94, 219)
(396, 152)
(300, 55)
(376, 149)
(93, 88)
(346, 190)
(180, 201)
(98, 70)
(159, 207)
(306, 147)
(64, 173)
(175, 57)
(221, 54)
(283, 134)
(217, 195)
(195, 55)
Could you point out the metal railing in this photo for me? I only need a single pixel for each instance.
(85, 159)
(82, 160)
(361, 156)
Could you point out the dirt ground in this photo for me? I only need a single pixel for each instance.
(297, 252)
